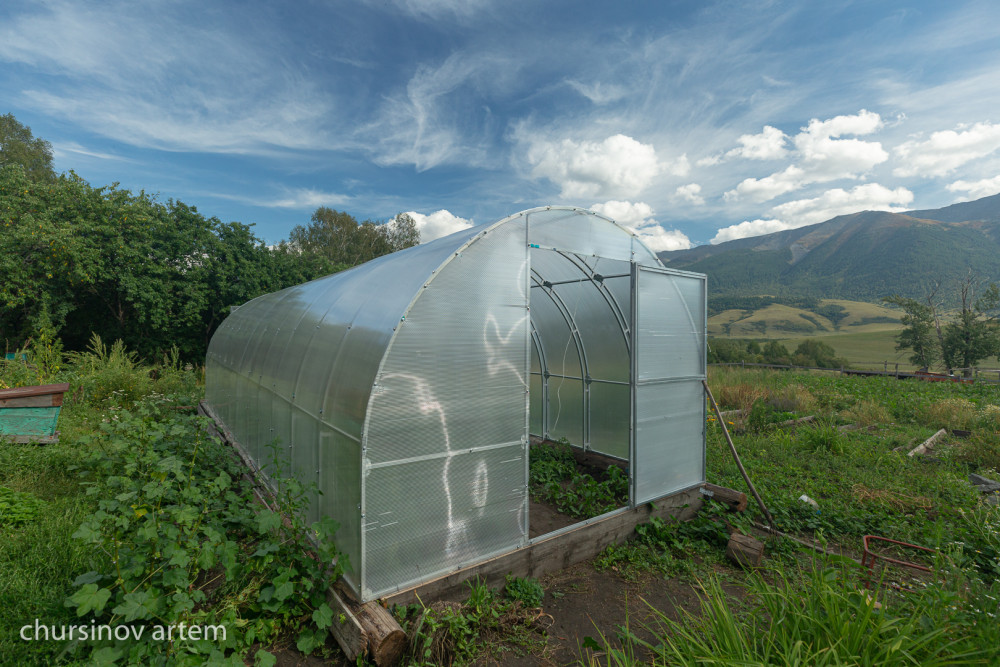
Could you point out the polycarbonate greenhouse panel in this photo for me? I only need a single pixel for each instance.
(670, 423)
(452, 393)
(609, 419)
(671, 325)
(432, 516)
(669, 413)
(574, 231)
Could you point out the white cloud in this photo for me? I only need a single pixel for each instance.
(438, 224)
(802, 212)
(618, 166)
(690, 193)
(152, 78)
(977, 189)
(748, 228)
(768, 145)
(61, 149)
(947, 150)
(429, 125)
(638, 217)
(867, 197)
(294, 198)
(822, 156)
(598, 92)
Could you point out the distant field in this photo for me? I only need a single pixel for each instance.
(780, 321)
(861, 341)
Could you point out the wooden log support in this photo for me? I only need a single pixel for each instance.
(736, 500)
(744, 550)
(386, 640)
(928, 444)
(796, 422)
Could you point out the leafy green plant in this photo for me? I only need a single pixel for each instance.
(188, 545)
(525, 590)
(17, 507)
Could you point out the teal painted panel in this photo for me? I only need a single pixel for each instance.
(29, 421)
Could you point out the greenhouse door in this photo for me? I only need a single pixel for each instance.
(668, 366)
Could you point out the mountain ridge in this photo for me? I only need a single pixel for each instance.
(861, 256)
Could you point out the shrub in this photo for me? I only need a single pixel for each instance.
(950, 413)
(867, 413)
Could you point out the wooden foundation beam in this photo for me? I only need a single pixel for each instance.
(553, 553)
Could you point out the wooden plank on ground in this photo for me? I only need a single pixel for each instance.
(927, 444)
(39, 390)
(557, 552)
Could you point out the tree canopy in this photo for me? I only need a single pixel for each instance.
(19, 146)
(972, 335)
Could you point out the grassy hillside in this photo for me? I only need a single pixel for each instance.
(784, 321)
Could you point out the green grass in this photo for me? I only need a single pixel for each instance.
(806, 609)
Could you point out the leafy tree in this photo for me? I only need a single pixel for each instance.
(775, 353)
(975, 333)
(814, 352)
(338, 237)
(919, 332)
(18, 146)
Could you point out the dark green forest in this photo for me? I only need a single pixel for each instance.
(78, 259)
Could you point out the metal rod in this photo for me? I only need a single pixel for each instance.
(736, 457)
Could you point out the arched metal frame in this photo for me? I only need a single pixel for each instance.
(402, 387)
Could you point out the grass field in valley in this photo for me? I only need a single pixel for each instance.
(865, 336)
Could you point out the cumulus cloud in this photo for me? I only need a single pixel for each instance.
(947, 150)
(977, 189)
(690, 193)
(768, 145)
(619, 165)
(438, 224)
(868, 197)
(822, 155)
(638, 217)
(802, 212)
(749, 228)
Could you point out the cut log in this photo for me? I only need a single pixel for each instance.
(744, 550)
(346, 627)
(386, 640)
(736, 500)
(928, 444)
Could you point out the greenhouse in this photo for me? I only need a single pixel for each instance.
(409, 389)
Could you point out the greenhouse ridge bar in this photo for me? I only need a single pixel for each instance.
(407, 388)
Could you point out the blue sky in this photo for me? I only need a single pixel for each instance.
(692, 122)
